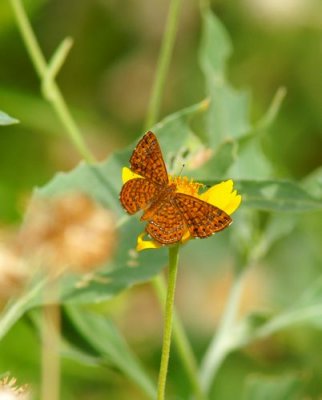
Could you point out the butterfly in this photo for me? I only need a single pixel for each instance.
(169, 214)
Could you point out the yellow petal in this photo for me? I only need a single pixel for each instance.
(127, 174)
(152, 244)
(146, 244)
(185, 237)
(223, 196)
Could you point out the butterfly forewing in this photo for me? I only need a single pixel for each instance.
(167, 225)
(202, 219)
(137, 194)
(147, 160)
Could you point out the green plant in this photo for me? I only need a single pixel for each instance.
(220, 124)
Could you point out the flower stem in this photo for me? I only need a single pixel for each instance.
(173, 268)
(163, 63)
(51, 92)
(180, 337)
(223, 340)
(181, 341)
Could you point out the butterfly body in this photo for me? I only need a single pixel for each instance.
(169, 213)
(164, 196)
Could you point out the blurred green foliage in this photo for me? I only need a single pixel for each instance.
(107, 82)
(107, 79)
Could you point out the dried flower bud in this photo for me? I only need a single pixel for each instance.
(10, 391)
(70, 232)
(13, 272)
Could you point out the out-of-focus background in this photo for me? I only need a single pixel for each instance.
(106, 81)
(108, 75)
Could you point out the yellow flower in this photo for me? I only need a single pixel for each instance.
(221, 195)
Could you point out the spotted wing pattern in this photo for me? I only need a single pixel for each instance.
(137, 194)
(201, 218)
(147, 160)
(167, 225)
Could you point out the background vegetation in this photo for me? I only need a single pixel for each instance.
(107, 80)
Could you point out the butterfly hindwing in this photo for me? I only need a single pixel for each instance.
(137, 194)
(201, 218)
(147, 160)
(167, 225)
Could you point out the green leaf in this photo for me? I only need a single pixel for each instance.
(307, 309)
(269, 117)
(274, 196)
(215, 47)
(36, 113)
(277, 196)
(279, 388)
(277, 227)
(313, 183)
(251, 162)
(237, 158)
(104, 337)
(103, 183)
(227, 117)
(219, 164)
(5, 119)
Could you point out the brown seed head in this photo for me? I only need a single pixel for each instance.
(69, 233)
(10, 391)
(13, 272)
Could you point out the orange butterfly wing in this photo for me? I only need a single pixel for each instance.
(201, 218)
(169, 214)
(167, 225)
(147, 160)
(137, 194)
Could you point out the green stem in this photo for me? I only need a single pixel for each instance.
(181, 341)
(223, 341)
(168, 41)
(204, 5)
(173, 268)
(51, 333)
(14, 311)
(163, 63)
(53, 94)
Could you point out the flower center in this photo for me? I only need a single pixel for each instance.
(184, 185)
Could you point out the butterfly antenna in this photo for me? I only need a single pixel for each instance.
(182, 167)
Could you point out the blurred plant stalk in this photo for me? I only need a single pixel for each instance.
(47, 73)
(223, 341)
(163, 63)
(51, 328)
